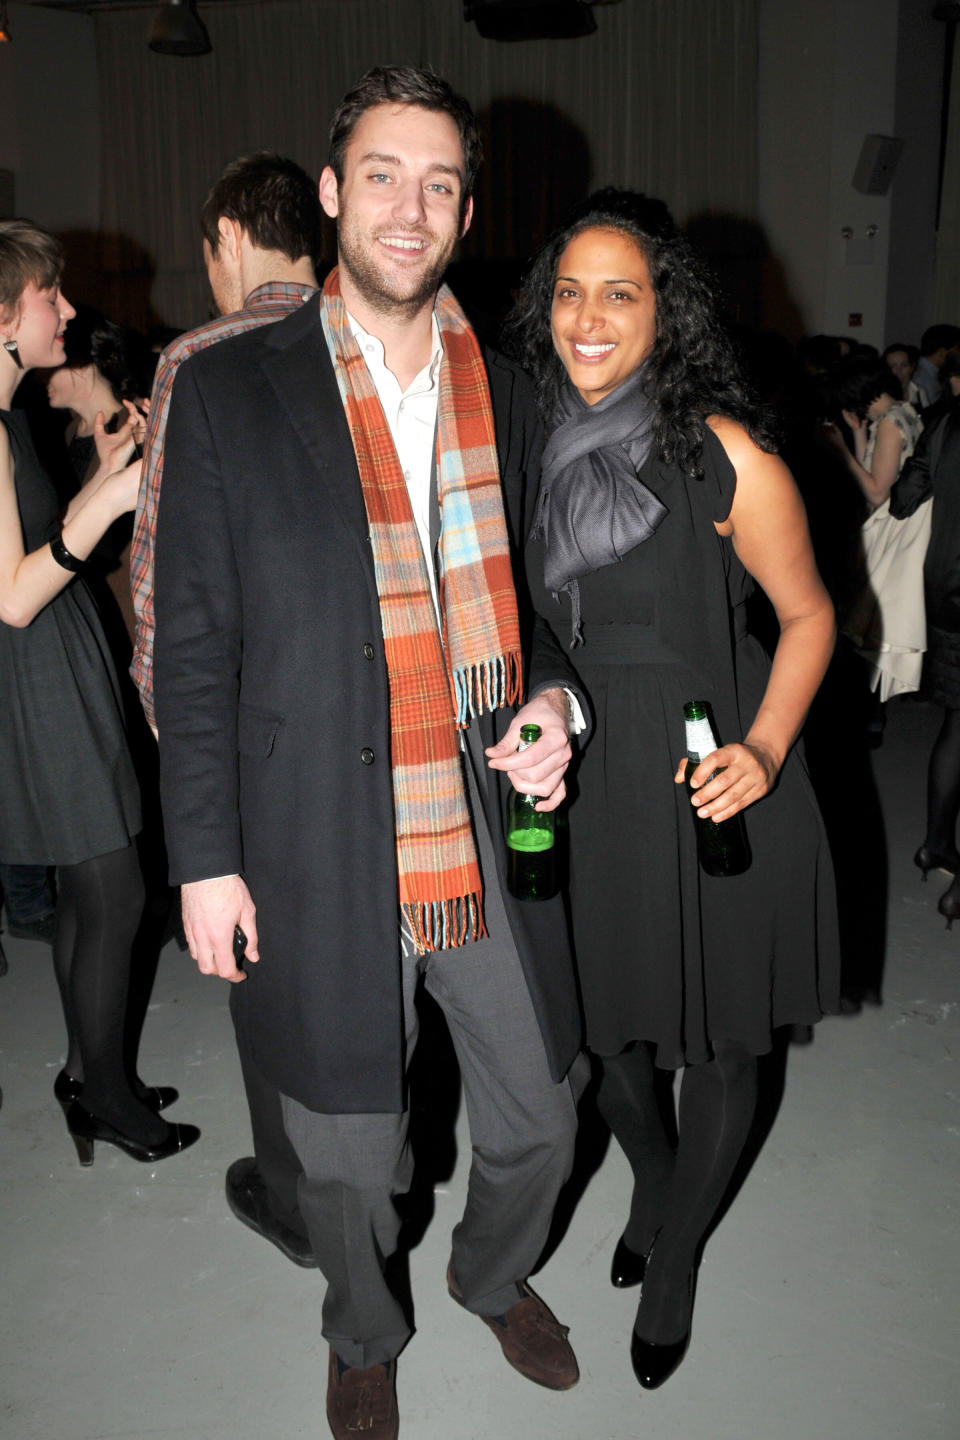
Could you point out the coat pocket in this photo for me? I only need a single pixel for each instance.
(257, 730)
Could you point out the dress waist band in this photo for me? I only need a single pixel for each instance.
(640, 644)
(623, 645)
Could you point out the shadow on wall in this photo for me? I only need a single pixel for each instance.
(111, 272)
(537, 163)
(752, 279)
(536, 166)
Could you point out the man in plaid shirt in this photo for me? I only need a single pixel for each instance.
(261, 227)
(261, 231)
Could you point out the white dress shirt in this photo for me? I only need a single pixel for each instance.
(412, 417)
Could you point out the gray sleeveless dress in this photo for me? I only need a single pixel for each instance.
(68, 790)
(665, 953)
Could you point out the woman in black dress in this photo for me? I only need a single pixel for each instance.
(661, 500)
(68, 792)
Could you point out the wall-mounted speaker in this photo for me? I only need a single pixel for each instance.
(877, 164)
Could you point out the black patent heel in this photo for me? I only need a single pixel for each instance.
(84, 1145)
(629, 1266)
(949, 903)
(654, 1363)
(85, 1128)
(927, 859)
(156, 1097)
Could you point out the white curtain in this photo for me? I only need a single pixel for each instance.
(661, 98)
(946, 280)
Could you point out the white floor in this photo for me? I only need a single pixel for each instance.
(134, 1307)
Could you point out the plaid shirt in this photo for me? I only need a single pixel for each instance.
(263, 306)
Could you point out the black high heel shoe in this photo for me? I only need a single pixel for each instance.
(628, 1266)
(155, 1097)
(85, 1128)
(653, 1363)
(949, 903)
(929, 859)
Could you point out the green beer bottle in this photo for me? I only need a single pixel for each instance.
(722, 849)
(531, 863)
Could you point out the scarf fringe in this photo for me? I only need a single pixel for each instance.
(487, 685)
(445, 924)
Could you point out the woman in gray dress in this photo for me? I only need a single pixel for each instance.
(68, 792)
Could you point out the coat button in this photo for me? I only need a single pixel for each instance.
(367, 755)
(368, 650)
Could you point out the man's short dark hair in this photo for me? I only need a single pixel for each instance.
(272, 200)
(911, 351)
(939, 337)
(406, 85)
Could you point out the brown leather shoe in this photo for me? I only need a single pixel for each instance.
(532, 1339)
(362, 1402)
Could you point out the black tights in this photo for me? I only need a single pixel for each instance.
(99, 904)
(943, 785)
(677, 1194)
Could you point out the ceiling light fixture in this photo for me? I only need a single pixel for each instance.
(178, 30)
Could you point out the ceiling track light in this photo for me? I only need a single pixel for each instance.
(178, 30)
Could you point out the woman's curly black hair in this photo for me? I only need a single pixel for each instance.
(122, 356)
(694, 368)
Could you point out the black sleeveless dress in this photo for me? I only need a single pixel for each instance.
(68, 790)
(665, 953)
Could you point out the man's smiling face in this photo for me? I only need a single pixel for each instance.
(399, 205)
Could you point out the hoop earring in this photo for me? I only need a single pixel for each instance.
(13, 351)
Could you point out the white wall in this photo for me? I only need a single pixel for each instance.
(920, 52)
(49, 118)
(831, 72)
(864, 90)
(795, 111)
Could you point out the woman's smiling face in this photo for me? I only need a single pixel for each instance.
(38, 329)
(604, 312)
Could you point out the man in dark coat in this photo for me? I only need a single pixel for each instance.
(277, 683)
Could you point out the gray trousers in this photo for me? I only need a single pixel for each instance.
(522, 1130)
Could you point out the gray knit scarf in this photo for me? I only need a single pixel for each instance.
(592, 509)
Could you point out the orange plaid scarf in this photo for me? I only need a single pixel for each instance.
(435, 684)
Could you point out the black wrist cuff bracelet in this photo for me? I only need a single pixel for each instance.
(63, 557)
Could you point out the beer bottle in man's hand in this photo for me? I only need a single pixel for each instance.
(531, 864)
(722, 849)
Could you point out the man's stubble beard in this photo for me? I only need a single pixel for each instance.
(371, 282)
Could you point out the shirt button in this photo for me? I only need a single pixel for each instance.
(367, 755)
(368, 650)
